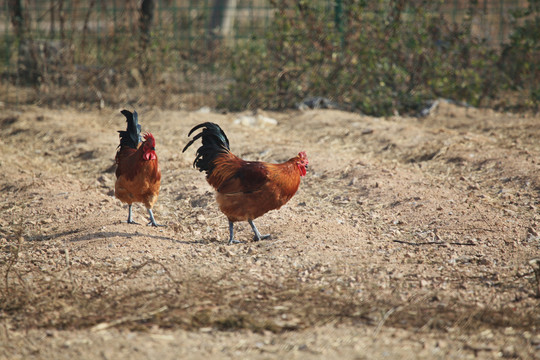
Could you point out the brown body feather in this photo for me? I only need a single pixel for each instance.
(138, 180)
(247, 190)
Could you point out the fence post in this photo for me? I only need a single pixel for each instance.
(222, 18)
(338, 20)
(338, 12)
(17, 17)
(147, 15)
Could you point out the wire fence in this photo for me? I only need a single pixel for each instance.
(92, 42)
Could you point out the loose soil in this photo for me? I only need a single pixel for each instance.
(408, 238)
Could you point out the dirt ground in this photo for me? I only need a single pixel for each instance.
(408, 238)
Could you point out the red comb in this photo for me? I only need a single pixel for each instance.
(150, 138)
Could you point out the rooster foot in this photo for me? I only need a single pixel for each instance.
(130, 216)
(232, 240)
(263, 237)
(152, 220)
(257, 236)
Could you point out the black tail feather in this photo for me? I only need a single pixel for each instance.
(214, 142)
(132, 136)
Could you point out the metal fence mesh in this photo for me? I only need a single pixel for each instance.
(98, 39)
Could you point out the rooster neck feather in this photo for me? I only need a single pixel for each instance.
(130, 163)
(285, 178)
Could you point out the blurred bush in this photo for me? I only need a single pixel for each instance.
(384, 57)
(378, 57)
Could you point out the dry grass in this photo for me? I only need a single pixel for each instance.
(35, 299)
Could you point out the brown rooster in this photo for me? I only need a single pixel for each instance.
(245, 189)
(137, 174)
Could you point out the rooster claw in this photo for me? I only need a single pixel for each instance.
(234, 241)
(263, 237)
(132, 222)
(152, 220)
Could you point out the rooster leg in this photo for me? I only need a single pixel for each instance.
(130, 217)
(258, 235)
(231, 234)
(152, 220)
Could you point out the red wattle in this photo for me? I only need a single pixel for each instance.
(151, 155)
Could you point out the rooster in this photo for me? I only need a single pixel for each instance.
(245, 190)
(138, 176)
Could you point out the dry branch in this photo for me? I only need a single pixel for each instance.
(132, 318)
